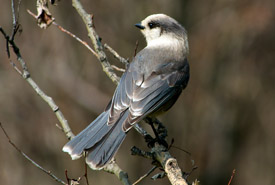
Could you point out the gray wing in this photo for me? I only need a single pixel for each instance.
(142, 96)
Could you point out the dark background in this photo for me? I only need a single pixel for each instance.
(225, 117)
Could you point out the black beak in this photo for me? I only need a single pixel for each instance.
(139, 26)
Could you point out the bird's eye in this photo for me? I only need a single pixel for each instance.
(152, 25)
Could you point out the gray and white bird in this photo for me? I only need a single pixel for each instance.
(151, 84)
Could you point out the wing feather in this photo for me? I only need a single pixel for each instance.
(142, 96)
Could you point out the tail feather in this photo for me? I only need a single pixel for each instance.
(100, 140)
(101, 153)
(88, 137)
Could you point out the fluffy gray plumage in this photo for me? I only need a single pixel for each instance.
(152, 83)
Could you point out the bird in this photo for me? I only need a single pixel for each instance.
(150, 85)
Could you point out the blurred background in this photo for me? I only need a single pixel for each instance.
(225, 117)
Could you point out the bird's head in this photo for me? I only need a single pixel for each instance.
(161, 29)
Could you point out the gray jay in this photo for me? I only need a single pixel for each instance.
(151, 84)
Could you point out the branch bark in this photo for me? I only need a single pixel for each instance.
(27, 76)
(169, 164)
(88, 21)
(113, 168)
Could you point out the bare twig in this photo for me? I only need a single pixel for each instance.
(232, 176)
(88, 21)
(18, 9)
(70, 34)
(77, 38)
(172, 146)
(15, 67)
(26, 75)
(86, 174)
(54, 107)
(67, 177)
(118, 69)
(14, 21)
(145, 175)
(29, 159)
(116, 55)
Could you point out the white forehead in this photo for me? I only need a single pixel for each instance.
(155, 17)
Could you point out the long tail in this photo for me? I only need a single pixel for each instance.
(100, 140)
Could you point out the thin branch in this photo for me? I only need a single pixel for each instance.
(145, 175)
(172, 146)
(96, 40)
(116, 55)
(70, 34)
(26, 75)
(232, 176)
(29, 159)
(86, 174)
(77, 38)
(15, 18)
(15, 67)
(18, 9)
(64, 123)
(67, 177)
(14, 22)
(118, 69)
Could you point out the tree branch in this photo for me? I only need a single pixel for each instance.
(96, 40)
(116, 55)
(30, 160)
(232, 176)
(169, 164)
(26, 75)
(160, 154)
(145, 175)
(113, 168)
